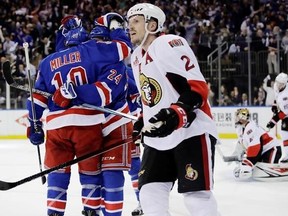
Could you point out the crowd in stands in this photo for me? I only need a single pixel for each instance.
(201, 22)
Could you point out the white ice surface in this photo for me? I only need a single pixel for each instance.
(18, 159)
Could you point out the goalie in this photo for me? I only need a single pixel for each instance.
(260, 153)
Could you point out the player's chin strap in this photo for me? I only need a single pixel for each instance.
(147, 32)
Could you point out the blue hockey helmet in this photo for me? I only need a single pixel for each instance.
(76, 36)
(100, 31)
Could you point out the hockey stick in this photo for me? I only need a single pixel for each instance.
(9, 185)
(9, 79)
(26, 45)
(226, 158)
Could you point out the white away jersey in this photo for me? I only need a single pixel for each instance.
(255, 138)
(170, 53)
(282, 100)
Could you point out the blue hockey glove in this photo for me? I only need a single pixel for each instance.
(63, 96)
(169, 119)
(70, 22)
(35, 132)
(111, 21)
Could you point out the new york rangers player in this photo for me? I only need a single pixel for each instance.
(73, 130)
(179, 132)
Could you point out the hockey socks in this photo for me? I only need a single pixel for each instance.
(112, 192)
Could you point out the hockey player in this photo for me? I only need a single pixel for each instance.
(73, 130)
(257, 144)
(135, 109)
(179, 132)
(115, 161)
(280, 111)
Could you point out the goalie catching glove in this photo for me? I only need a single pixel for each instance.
(35, 132)
(63, 96)
(167, 120)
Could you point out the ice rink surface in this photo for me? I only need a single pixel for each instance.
(18, 159)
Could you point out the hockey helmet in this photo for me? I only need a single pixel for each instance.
(148, 11)
(280, 82)
(100, 31)
(242, 115)
(76, 36)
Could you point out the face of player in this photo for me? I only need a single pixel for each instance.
(136, 29)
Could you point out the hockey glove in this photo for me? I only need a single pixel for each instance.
(169, 119)
(137, 128)
(111, 21)
(274, 109)
(63, 96)
(243, 171)
(271, 124)
(70, 22)
(35, 132)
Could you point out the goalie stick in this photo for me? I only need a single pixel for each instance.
(9, 185)
(9, 79)
(226, 158)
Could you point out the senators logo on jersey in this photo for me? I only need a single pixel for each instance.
(191, 174)
(151, 91)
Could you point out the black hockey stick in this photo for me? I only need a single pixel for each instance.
(37, 129)
(9, 79)
(9, 185)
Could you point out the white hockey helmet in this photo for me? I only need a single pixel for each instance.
(242, 116)
(280, 82)
(148, 11)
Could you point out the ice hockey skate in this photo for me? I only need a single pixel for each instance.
(137, 211)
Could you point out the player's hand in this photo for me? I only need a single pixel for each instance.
(111, 21)
(274, 108)
(70, 22)
(35, 132)
(271, 124)
(63, 96)
(137, 128)
(243, 171)
(169, 119)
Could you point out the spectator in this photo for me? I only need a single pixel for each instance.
(268, 85)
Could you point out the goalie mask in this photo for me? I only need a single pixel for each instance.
(242, 116)
(280, 82)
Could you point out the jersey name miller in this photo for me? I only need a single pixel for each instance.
(65, 60)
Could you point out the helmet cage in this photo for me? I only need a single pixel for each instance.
(242, 115)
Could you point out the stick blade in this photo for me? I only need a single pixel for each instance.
(7, 72)
(6, 185)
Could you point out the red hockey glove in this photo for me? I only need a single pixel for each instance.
(63, 96)
(35, 132)
(111, 21)
(167, 120)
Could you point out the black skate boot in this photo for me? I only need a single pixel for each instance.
(89, 213)
(54, 214)
(137, 211)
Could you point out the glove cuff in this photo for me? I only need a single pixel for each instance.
(182, 115)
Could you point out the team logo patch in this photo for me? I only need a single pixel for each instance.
(191, 174)
(151, 91)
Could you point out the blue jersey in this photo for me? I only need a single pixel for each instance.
(133, 95)
(99, 77)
